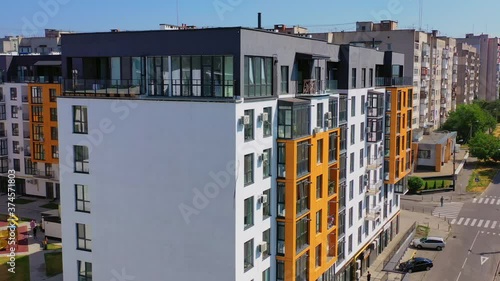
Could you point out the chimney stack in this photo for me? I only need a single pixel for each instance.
(259, 21)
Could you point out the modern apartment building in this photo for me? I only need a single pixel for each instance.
(29, 123)
(489, 69)
(429, 62)
(259, 158)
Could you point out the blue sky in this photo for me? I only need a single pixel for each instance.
(452, 18)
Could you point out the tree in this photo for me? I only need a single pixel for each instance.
(469, 119)
(415, 183)
(493, 107)
(485, 147)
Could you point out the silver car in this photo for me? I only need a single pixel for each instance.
(429, 243)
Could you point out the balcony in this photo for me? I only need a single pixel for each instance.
(443, 101)
(373, 214)
(38, 79)
(310, 87)
(393, 81)
(374, 188)
(375, 163)
(44, 175)
(102, 87)
(426, 64)
(332, 85)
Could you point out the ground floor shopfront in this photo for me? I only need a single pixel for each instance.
(31, 187)
(365, 257)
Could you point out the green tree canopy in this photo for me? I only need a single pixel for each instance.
(415, 183)
(492, 107)
(485, 147)
(467, 119)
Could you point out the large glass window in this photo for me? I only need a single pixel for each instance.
(266, 163)
(332, 147)
(268, 123)
(284, 79)
(248, 255)
(84, 271)
(249, 128)
(248, 166)
(281, 199)
(281, 238)
(80, 121)
(319, 151)
(266, 206)
(293, 121)
(302, 197)
(303, 151)
(248, 218)
(82, 198)
(258, 76)
(280, 270)
(281, 160)
(302, 265)
(302, 229)
(36, 95)
(81, 159)
(83, 233)
(319, 115)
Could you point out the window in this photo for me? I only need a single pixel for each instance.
(318, 221)
(303, 158)
(362, 131)
(266, 164)
(248, 218)
(319, 151)
(360, 209)
(37, 133)
(249, 127)
(353, 78)
(416, 59)
(55, 151)
(351, 190)
(363, 77)
(52, 95)
(281, 238)
(13, 93)
(84, 271)
(37, 113)
(302, 197)
(281, 160)
(351, 162)
(319, 187)
(284, 79)
(3, 112)
(331, 184)
(17, 165)
(53, 114)
(53, 133)
(360, 234)
(353, 106)
(248, 253)
(302, 234)
(80, 122)
(361, 158)
(81, 155)
(15, 129)
(349, 244)
(318, 256)
(266, 275)
(371, 77)
(39, 151)
(302, 265)
(268, 124)
(13, 111)
(30, 168)
(332, 148)
(36, 95)
(82, 198)
(353, 134)
(351, 218)
(248, 169)
(424, 154)
(266, 237)
(258, 76)
(281, 199)
(361, 184)
(280, 270)
(83, 235)
(266, 207)
(319, 115)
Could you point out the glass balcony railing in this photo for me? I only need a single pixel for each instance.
(393, 81)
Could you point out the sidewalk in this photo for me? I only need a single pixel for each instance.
(30, 210)
(438, 227)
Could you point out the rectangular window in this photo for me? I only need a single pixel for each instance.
(302, 265)
(15, 129)
(302, 234)
(353, 134)
(351, 159)
(36, 95)
(319, 115)
(361, 184)
(83, 234)
(3, 112)
(266, 163)
(351, 216)
(281, 160)
(13, 93)
(82, 198)
(281, 239)
(318, 221)
(53, 114)
(249, 127)
(30, 168)
(360, 234)
(280, 270)
(363, 104)
(54, 133)
(362, 131)
(55, 151)
(266, 206)
(258, 76)
(281, 199)
(84, 271)
(302, 197)
(266, 275)
(248, 218)
(363, 77)
(37, 114)
(80, 122)
(360, 210)
(303, 150)
(318, 256)
(248, 255)
(17, 165)
(284, 79)
(331, 184)
(81, 159)
(353, 106)
(332, 148)
(266, 237)
(268, 124)
(353, 78)
(371, 77)
(13, 111)
(361, 158)
(39, 151)
(52, 95)
(349, 244)
(248, 169)
(319, 187)
(319, 151)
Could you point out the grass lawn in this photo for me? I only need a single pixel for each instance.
(53, 263)
(485, 175)
(422, 231)
(52, 206)
(53, 247)
(22, 269)
(437, 183)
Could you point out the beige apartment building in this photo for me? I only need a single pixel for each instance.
(468, 72)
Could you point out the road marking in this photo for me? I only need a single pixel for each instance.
(482, 231)
(467, 221)
(459, 275)
(494, 233)
(460, 221)
(483, 260)
(474, 200)
(481, 200)
(488, 232)
(487, 224)
(480, 223)
(492, 201)
(464, 263)
(486, 200)
(494, 224)
(453, 221)
(473, 222)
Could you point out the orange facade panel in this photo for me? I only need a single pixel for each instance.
(43, 122)
(310, 174)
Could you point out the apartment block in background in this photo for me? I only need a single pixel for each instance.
(260, 143)
(468, 70)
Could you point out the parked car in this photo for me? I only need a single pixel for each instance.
(429, 243)
(416, 264)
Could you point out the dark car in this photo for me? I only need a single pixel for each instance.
(416, 264)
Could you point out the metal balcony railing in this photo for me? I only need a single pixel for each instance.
(393, 81)
(373, 213)
(309, 87)
(373, 188)
(375, 163)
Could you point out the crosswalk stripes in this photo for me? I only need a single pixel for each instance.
(481, 223)
(449, 210)
(491, 200)
(473, 222)
(467, 221)
(494, 224)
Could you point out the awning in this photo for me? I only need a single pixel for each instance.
(313, 56)
(47, 63)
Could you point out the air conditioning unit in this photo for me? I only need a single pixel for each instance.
(317, 130)
(263, 199)
(262, 247)
(328, 115)
(358, 274)
(358, 265)
(264, 117)
(328, 123)
(245, 120)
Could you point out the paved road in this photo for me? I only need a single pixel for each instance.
(473, 248)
